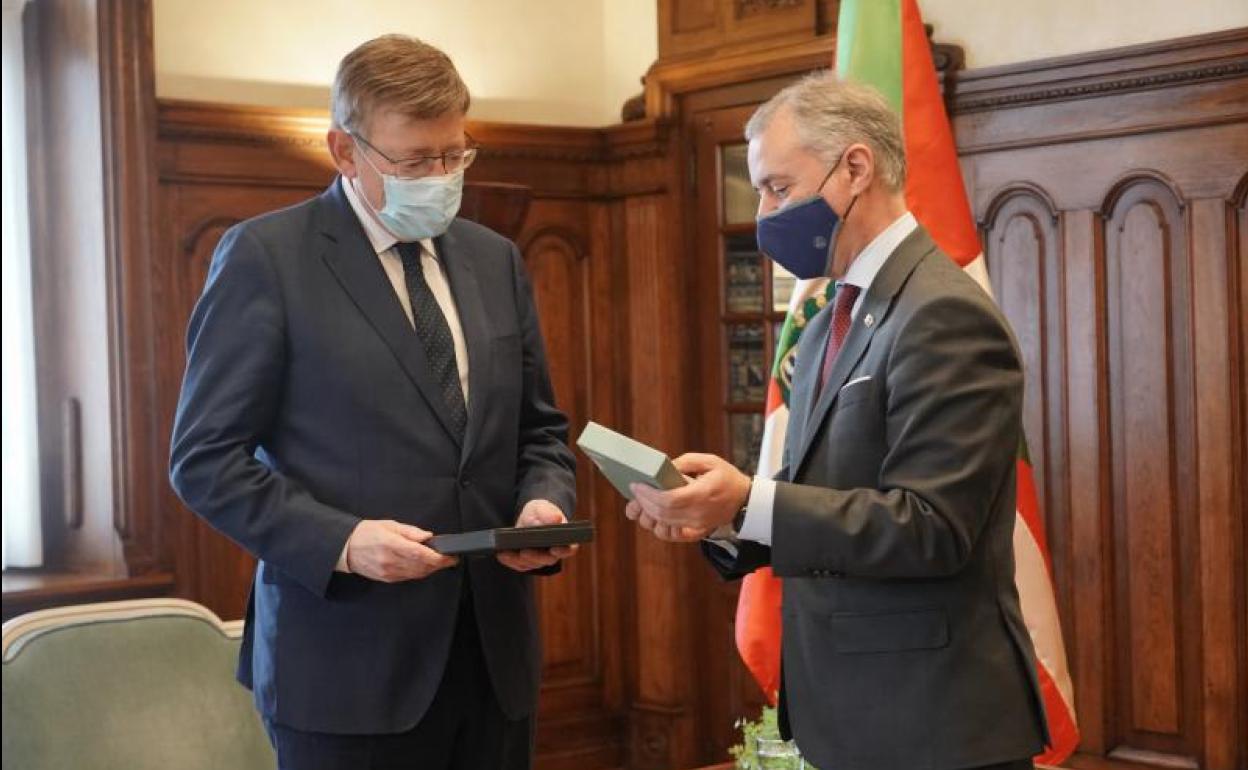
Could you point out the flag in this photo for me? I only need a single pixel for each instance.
(883, 43)
(758, 605)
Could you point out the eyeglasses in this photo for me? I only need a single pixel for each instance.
(426, 165)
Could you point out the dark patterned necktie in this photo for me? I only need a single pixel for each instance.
(435, 335)
(842, 307)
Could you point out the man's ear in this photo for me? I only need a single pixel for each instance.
(860, 160)
(342, 150)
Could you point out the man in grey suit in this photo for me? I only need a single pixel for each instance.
(364, 371)
(891, 523)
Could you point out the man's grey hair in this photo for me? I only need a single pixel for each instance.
(829, 114)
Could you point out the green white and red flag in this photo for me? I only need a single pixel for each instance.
(883, 43)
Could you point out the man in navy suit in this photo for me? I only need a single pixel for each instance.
(364, 371)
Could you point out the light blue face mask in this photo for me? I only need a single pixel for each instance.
(417, 208)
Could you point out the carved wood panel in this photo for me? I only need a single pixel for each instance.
(569, 272)
(1144, 402)
(1022, 245)
(1152, 484)
(558, 265)
(706, 27)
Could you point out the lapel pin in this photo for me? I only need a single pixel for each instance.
(869, 321)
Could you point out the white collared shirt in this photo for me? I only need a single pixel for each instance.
(861, 273)
(383, 242)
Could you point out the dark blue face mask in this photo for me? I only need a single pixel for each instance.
(801, 237)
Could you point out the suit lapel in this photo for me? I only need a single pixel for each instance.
(471, 309)
(871, 315)
(350, 257)
(855, 345)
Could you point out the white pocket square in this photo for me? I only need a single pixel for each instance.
(855, 381)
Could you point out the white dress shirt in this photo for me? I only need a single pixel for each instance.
(861, 273)
(383, 243)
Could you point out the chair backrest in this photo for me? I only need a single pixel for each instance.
(127, 686)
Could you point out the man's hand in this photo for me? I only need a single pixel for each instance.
(712, 498)
(537, 513)
(671, 534)
(392, 552)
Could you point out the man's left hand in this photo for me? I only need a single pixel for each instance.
(717, 491)
(534, 514)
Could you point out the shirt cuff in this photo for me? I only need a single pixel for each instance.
(758, 512)
(341, 566)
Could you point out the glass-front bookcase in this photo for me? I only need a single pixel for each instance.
(753, 298)
(739, 302)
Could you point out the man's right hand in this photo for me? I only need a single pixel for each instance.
(392, 552)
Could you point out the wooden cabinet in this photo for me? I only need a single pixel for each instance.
(744, 295)
(1110, 192)
(692, 27)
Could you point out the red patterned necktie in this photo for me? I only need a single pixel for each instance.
(841, 321)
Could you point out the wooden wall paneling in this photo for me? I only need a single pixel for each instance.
(566, 244)
(686, 25)
(663, 723)
(128, 110)
(1213, 287)
(1138, 151)
(217, 144)
(1038, 117)
(707, 27)
(558, 257)
(771, 20)
(1237, 216)
(611, 175)
(1180, 83)
(673, 655)
(1153, 485)
(1023, 246)
(668, 82)
(1090, 532)
(556, 162)
(579, 709)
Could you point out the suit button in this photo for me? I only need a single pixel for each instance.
(463, 482)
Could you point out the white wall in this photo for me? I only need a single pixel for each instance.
(996, 32)
(568, 62)
(574, 62)
(630, 44)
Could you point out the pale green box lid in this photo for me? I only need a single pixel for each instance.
(625, 461)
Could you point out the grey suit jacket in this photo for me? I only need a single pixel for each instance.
(307, 405)
(903, 642)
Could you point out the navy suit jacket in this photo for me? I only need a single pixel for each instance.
(308, 405)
